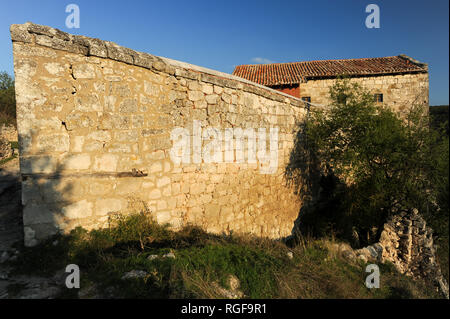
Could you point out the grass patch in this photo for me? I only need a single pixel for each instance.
(204, 261)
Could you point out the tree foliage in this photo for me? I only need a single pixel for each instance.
(375, 162)
(7, 99)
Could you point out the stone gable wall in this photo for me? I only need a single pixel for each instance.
(399, 91)
(95, 120)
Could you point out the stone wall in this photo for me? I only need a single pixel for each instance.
(399, 91)
(95, 122)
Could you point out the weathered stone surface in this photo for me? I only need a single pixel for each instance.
(105, 163)
(96, 118)
(37, 214)
(77, 210)
(88, 103)
(134, 274)
(78, 161)
(38, 164)
(53, 143)
(128, 106)
(108, 205)
(83, 71)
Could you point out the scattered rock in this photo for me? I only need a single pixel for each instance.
(152, 257)
(169, 255)
(348, 254)
(6, 150)
(134, 274)
(290, 255)
(234, 282)
(363, 258)
(233, 292)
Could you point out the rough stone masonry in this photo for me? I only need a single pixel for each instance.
(407, 242)
(94, 122)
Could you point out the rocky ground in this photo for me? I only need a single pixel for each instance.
(11, 235)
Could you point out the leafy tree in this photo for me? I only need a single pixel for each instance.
(7, 99)
(374, 163)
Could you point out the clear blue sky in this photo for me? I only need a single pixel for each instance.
(222, 34)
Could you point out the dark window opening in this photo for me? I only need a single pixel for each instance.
(378, 97)
(306, 99)
(342, 99)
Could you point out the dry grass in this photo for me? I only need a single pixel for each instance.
(204, 262)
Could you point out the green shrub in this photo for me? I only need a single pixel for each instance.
(7, 99)
(373, 163)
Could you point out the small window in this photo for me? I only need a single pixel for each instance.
(306, 99)
(378, 97)
(342, 98)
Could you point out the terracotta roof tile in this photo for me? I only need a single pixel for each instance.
(296, 72)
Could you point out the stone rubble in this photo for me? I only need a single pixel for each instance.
(134, 274)
(6, 150)
(407, 242)
(233, 292)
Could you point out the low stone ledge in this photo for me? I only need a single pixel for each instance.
(25, 176)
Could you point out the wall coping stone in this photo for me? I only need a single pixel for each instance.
(60, 40)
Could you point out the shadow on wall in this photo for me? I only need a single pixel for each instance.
(45, 194)
(322, 195)
(303, 174)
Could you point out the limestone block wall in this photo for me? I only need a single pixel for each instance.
(96, 122)
(399, 91)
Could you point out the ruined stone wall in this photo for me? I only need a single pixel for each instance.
(399, 91)
(407, 242)
(95, 121)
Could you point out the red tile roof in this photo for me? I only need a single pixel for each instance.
(296, 72)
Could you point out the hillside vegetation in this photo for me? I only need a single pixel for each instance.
(191, 263)
(7, 100)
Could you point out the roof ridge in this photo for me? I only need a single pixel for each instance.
(295, 72)
(325, 60)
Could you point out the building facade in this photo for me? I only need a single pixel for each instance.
(397, 81)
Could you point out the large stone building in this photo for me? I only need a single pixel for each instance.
(396, 81)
